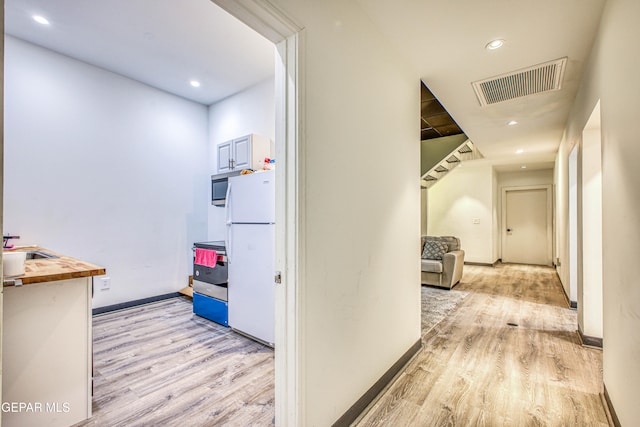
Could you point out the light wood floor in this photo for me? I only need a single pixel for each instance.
(159, 365)
(477, 370)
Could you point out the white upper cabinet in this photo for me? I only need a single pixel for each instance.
(247, 152)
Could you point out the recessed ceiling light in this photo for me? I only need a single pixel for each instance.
(41, 20)
(512, 123)
(519, 151)
(523, 167)
(194, 83)
(494, 44)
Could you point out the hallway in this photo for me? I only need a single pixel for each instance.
(509, 355)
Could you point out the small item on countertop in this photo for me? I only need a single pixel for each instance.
(269, 164)
(5, 241)
(206, 257)
(246, 171)
(13, 264)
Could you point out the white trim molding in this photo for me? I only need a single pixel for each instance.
(289, 250)
(263, 16)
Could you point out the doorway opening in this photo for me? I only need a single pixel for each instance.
(590, 285)
(288, 37)
(573, 227)
(284, 35)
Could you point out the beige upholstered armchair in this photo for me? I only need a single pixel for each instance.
(442, 261)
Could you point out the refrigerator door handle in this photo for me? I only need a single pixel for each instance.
(227, 237)
(227, 242)
(228, 204)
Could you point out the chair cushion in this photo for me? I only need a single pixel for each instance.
(431, 266)
(434, 250)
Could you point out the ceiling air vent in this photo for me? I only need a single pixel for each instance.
(528, 81)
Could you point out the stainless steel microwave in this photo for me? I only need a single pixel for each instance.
(219, 184)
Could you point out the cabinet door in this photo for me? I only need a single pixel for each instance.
(224, 157)
(242, 153)
(47, 352)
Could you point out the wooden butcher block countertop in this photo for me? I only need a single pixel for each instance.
(53, 269)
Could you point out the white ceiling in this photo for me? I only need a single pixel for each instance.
(163, 43)
(446, 41)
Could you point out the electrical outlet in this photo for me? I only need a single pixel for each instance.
(105, 283)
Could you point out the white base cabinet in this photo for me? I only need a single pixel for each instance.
(247, 152)
(47, 358)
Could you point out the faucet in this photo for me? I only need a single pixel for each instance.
(5, 241)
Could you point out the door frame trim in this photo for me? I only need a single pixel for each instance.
(503, 229)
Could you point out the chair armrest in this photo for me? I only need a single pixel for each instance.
(453, 256)
(452, 263)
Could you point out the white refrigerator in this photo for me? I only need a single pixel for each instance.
(250, 243)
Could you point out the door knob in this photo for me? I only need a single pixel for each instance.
(508, 229)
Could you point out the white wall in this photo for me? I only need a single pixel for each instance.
(611, 76)
(465, 194)
(423, 211)
(526, 177)
(360, 230)
(105, 169)
(249, 111)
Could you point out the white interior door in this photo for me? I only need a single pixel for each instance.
(526, 226)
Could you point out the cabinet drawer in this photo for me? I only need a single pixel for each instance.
(214, 291)
(211, 309)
